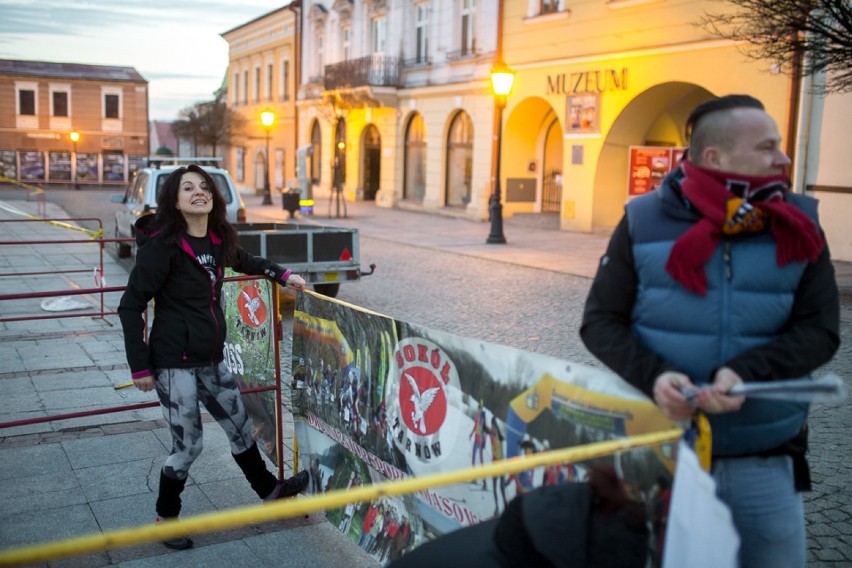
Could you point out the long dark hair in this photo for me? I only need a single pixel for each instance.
(171, 223)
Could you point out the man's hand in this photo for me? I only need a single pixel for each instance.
(713, 400)
(296, 282)
(668, 394)
(145, 383)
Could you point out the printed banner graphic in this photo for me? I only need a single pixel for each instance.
(250, 352)
(379, 399)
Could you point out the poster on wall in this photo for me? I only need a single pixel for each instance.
(8, 164)
(134, 164)
(583, 114)
(59, 166)
(32, 166)
(649, 165)
(113, 167)
(378, 399)
(87, 167)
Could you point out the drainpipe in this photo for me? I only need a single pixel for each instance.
(797, 64)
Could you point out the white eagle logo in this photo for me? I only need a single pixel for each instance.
(252, 305)
(421, 401)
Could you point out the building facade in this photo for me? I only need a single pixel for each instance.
(261, 77)
(393, 103)
(105, 107)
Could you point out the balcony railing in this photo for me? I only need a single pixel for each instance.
(373, 70)
(464, 53)
(417, 62)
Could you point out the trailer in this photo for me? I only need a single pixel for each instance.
(325, 256)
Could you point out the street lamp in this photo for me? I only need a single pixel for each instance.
(75, 137)
(501, 82)
(267, 117)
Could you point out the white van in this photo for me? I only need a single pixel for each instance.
(141, 195)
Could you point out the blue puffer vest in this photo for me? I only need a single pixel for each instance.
(749, 299)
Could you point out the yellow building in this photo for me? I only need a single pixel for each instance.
(393, 102)
(106, 107)
(263, 54)
(601, 94)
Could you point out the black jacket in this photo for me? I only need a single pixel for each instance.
(189, 323)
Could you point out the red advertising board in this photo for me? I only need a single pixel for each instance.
(649, 165)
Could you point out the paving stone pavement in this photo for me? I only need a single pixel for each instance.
(80, 476)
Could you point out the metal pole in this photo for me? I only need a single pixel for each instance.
(495, 208)
(267, 196)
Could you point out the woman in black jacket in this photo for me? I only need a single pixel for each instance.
(181, 259)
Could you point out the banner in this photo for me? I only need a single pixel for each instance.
(250, 352)
(380, 399)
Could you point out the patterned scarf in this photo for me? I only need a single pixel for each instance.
(732, 204)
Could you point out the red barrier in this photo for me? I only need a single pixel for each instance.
(277, 337)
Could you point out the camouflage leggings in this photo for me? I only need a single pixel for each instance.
(180, 391)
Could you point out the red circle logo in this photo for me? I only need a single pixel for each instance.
(422, 401)
(252, 309)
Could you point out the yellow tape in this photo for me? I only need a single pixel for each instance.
(335, 499)
(32, 188)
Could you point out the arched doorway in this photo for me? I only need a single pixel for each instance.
(653, 118)
(415, 159)
(532, 161)
(459, 161)
(316, 156)
(551, 171)
(372, 156)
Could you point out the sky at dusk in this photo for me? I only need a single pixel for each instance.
(174, 44)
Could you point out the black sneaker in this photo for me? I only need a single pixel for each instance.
(177, 543)
(290, 487)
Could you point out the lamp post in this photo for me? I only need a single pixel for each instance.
(75, 137)
(501, 82)
(267, 117)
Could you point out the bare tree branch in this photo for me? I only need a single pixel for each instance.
(780, 31)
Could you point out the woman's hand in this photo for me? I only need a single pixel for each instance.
(145, 383)
(295, 282)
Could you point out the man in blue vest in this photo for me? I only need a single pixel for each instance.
(723, 276)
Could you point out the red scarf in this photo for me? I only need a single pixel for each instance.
(731, 204)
